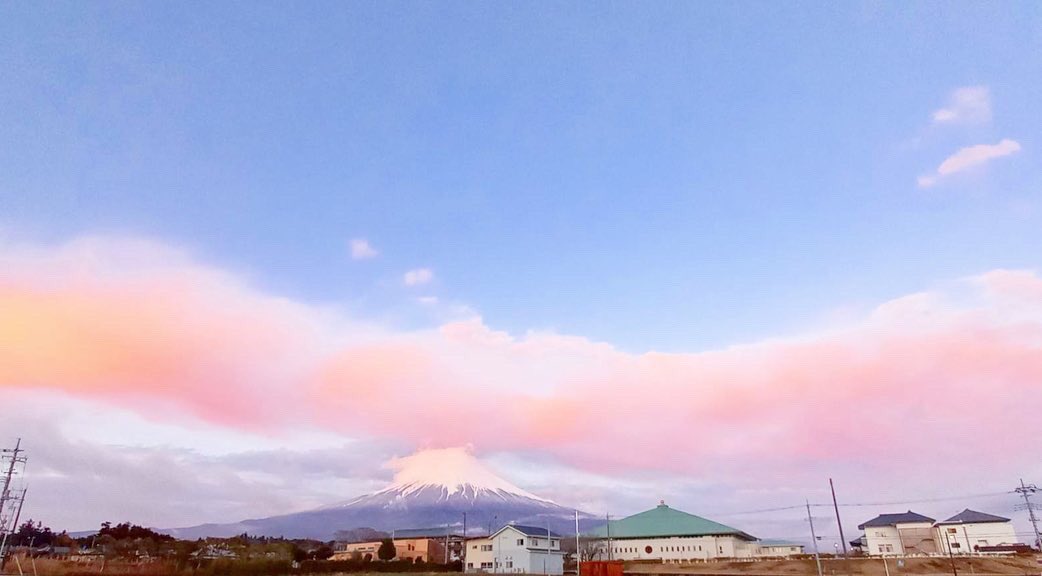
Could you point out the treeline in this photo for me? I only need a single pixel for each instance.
(269, 567)
(31, 533)
(333, 566)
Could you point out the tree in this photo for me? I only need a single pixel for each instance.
(126, 530)
(323, 552)
(33, 534)
(590, 549)
(299, 554)
(386, 551)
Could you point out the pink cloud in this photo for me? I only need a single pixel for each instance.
(934, 377)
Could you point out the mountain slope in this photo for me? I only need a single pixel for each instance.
(434, 488)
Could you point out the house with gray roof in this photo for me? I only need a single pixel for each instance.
(516, 549)
(904, 533)
(973, 532)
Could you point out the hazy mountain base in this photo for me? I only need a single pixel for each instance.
(387, 511)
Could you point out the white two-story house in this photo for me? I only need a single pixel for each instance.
(516, 549)
(970, 532)
(906, 533)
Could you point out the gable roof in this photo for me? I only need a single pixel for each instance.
(968, 516)
(535, 531)
(771, 542)
(438, 532)
(663, 521)
(895, 519)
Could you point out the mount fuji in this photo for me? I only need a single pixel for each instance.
(431, 489)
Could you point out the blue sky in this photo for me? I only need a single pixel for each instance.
(679, 177)
(668, 176)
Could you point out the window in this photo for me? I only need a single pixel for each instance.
(486, 547)
(486, 564)
(535, 541)
(952, 531)
(470, 564)
(510, 564)
(520, 541)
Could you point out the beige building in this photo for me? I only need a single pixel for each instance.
(426, 549)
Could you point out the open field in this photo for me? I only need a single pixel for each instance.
(1012, 565)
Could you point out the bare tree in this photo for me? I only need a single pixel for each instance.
(591, 549)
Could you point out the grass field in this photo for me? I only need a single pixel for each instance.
(1005, 566)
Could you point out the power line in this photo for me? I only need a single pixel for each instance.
(922, 500)
(861, 504)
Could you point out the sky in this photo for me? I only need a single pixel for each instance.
(714, 253)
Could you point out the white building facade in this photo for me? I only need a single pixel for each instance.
(682, 548)
(778, 548)
(516, 549)
(902, 534)
(972, 532)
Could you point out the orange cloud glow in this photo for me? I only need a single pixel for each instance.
(936, 375)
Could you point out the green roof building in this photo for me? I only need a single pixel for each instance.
(670, 535)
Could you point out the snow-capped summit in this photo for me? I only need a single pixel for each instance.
(449, 473)
(431, 488)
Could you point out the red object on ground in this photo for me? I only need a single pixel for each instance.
(607, 568)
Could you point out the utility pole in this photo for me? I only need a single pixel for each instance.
(547, 557)
(951, 555)
(1027, 490)
(7, 498)
(814, 539)
(17, 515)
(842, 539)
(578, 554)
(5, 495)
(607, 517)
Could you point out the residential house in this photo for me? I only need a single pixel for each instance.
(778, 548)
(670, 535)
(971, 532)
(906, 533)
(516, 549)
